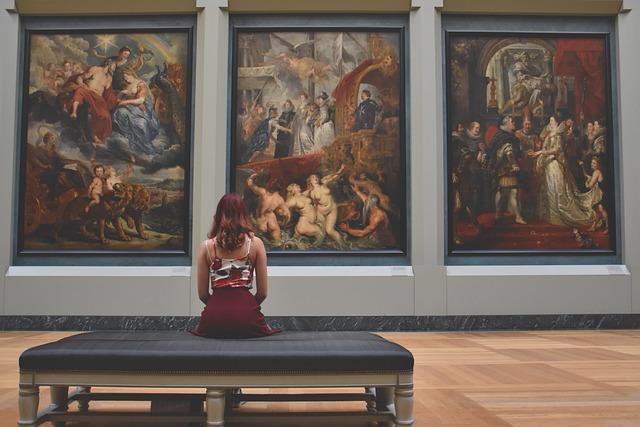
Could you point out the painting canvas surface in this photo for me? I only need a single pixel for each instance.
(106, 141)
(529, 147)
(318, 138)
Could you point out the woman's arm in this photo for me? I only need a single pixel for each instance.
(134, 101)
(283, 210)
(330, 178)
(253, 187)
(260, 264)
(203, 273)
(82, 78)
(140, 96)
(593, 179)
(550, 149)
(362, 232)
(278, 126)
(584, 170)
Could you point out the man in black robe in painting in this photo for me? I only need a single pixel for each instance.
(366, 112)
(504, 156)
(284, 139)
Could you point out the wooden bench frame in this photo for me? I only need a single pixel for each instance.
(389, 395)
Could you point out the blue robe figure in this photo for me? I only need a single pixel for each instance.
(260, 138)
(139, 124)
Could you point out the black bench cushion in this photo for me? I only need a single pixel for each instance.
(170, 351)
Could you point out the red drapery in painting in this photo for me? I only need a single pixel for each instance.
(584, 59)
(287, 169)
(343, 89)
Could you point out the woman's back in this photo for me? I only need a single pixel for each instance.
(230, 267)
(227, 264)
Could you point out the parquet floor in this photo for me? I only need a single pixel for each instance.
(478, 379)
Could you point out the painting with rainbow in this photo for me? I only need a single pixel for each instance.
(106, 141)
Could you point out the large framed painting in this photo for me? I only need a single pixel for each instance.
(105, 136)
(530, 149)
(318, 134)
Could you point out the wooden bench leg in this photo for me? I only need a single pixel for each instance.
(404, 406)
(384, 399)
(371, 406)
(83, 405)
(28, 400)
(215, 407)
(59, 398)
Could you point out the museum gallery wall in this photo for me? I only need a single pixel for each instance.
(105, 138)
(530, 153)
(318, 138)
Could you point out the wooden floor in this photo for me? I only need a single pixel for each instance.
(524, 379)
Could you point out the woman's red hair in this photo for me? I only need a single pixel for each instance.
(231, 222)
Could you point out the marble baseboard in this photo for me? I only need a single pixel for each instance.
(96, 323)
(334, 323)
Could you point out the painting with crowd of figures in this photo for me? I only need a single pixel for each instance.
(106, 141)
(318, 138)
(529, 148)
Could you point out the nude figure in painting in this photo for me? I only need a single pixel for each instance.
(270, 206)
(94, 88)
(320, 194)
(308, 222)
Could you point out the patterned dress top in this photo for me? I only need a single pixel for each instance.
(230, 272)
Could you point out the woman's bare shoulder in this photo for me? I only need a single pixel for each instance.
(256, 240)
(257, 245)
(203, 249)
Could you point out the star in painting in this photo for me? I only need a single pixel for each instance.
(105, 41)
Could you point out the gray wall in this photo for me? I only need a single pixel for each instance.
(427, 287)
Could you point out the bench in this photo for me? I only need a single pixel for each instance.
(169, 359)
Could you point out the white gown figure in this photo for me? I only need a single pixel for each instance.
(303, 137)
(324, 134)
(559, 200)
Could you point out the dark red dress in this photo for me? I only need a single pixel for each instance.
(231, 310)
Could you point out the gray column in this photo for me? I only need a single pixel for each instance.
(215, 407)
(28, 400)
(404, 406)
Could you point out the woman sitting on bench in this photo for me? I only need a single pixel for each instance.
(227, 261)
